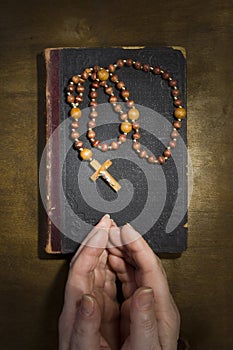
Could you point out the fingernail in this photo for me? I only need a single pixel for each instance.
(106, 216)
(145, 298)
(87, 305)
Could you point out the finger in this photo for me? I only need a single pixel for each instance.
(143, 323)
(86, 333)
(125, 273)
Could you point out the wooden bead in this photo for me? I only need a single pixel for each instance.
(146, 67)
(137, 65)
(172, 144)
(161, 159)
(78, 99)
(109, 90)
(142, 154)
(75, 79)
(80, 88)
(166, 75)
(122, 138)
(112, 99)
(180, 113)
(115, 145)
(91, 134)
(126, 127)
(74, 125)
(111, 68)
(136, 126)
(157, 70)
(120, 63)
(102, 74)
(125, 93)
(120, 85)
(114, 78)
(129, 62)
(136, 136)
(74, 135)
(96, 143)
(136, 146)
(151, 159)
(70, 99)
(75, 113)
(175, 92)
(178, 102)
(91, 124)
(104, 147)
(177, 124)
(167, 153)
(133, 114)
(78, 144)
(86, 154)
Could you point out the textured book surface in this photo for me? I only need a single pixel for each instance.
(153, 200)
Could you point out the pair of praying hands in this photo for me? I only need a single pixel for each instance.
(92, 319)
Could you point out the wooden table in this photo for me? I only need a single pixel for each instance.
(31, 290)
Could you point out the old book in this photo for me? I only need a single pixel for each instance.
(153, 198)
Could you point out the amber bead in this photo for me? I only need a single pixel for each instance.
(86, 154)
(157, 70)
(120, 85)
(125, 93)
(78, 144)
(96, 143)
(75, 113)
(80, 88)
(129, 62)
(166, 75)
(112, 99)
(180, 113)
(177, 124)
(133, 114)
(167, 153)
(146, 67)
(114, 78)
(70, 98)
(161, 159)
(137, 65)
(102, 74)
(136, 136)
(111, 68)
(120, 63)
(91, 134)
(126, 127)
(75, 79)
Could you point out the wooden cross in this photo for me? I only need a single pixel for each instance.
(101, 172)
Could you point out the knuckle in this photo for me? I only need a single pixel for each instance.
(148, 325)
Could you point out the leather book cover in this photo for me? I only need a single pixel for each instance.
(153, 198)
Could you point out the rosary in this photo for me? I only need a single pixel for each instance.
(100, 77)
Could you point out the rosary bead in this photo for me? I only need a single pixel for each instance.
(74, 125)
(177, 124)
(120, 63)
(70, 99)
(146, 67)
(109, 90)
(112, 99)
(115, 145)
(92, 124)
(117, 108)
(75, 79)
(157, 70)
(136, 146)
(74, 135)
(80, 88)
(78, 99)
(114, 78)
(78, 144)
(129, 62)
(166, 75)
(125, 93)
(151, 159)
(120, 85)
(180, 113)
(70, 88)
(104, 147)
(96, 68)
(102, 74)
(95, 84)
(94, 114)
(130, 103)
(178, 102)
(93, 76)
(93, 104)
(86, 154)
(172, 144)
(93, 94)
(84, 75)
(126, 127)
(122, 138)
(111, 68)
(75, 113)
(174, 134)
(137, 65)
(96, 143)
(136, 126)
(167, 153)
(103, 83)
(142, 154)
(175, 93)
(91, 134)
(172, 83)
(124, 116)
(161, 159)
(136, 136)
(133, 114)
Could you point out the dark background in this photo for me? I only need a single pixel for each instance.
(31, 290)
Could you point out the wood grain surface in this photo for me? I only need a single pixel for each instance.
(31, 289)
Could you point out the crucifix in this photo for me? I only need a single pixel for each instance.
(101, 171)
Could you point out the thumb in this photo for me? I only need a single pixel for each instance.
(143, 323)
(87, 324)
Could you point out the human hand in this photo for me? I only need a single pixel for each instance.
(149, 316)
(89, 319)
